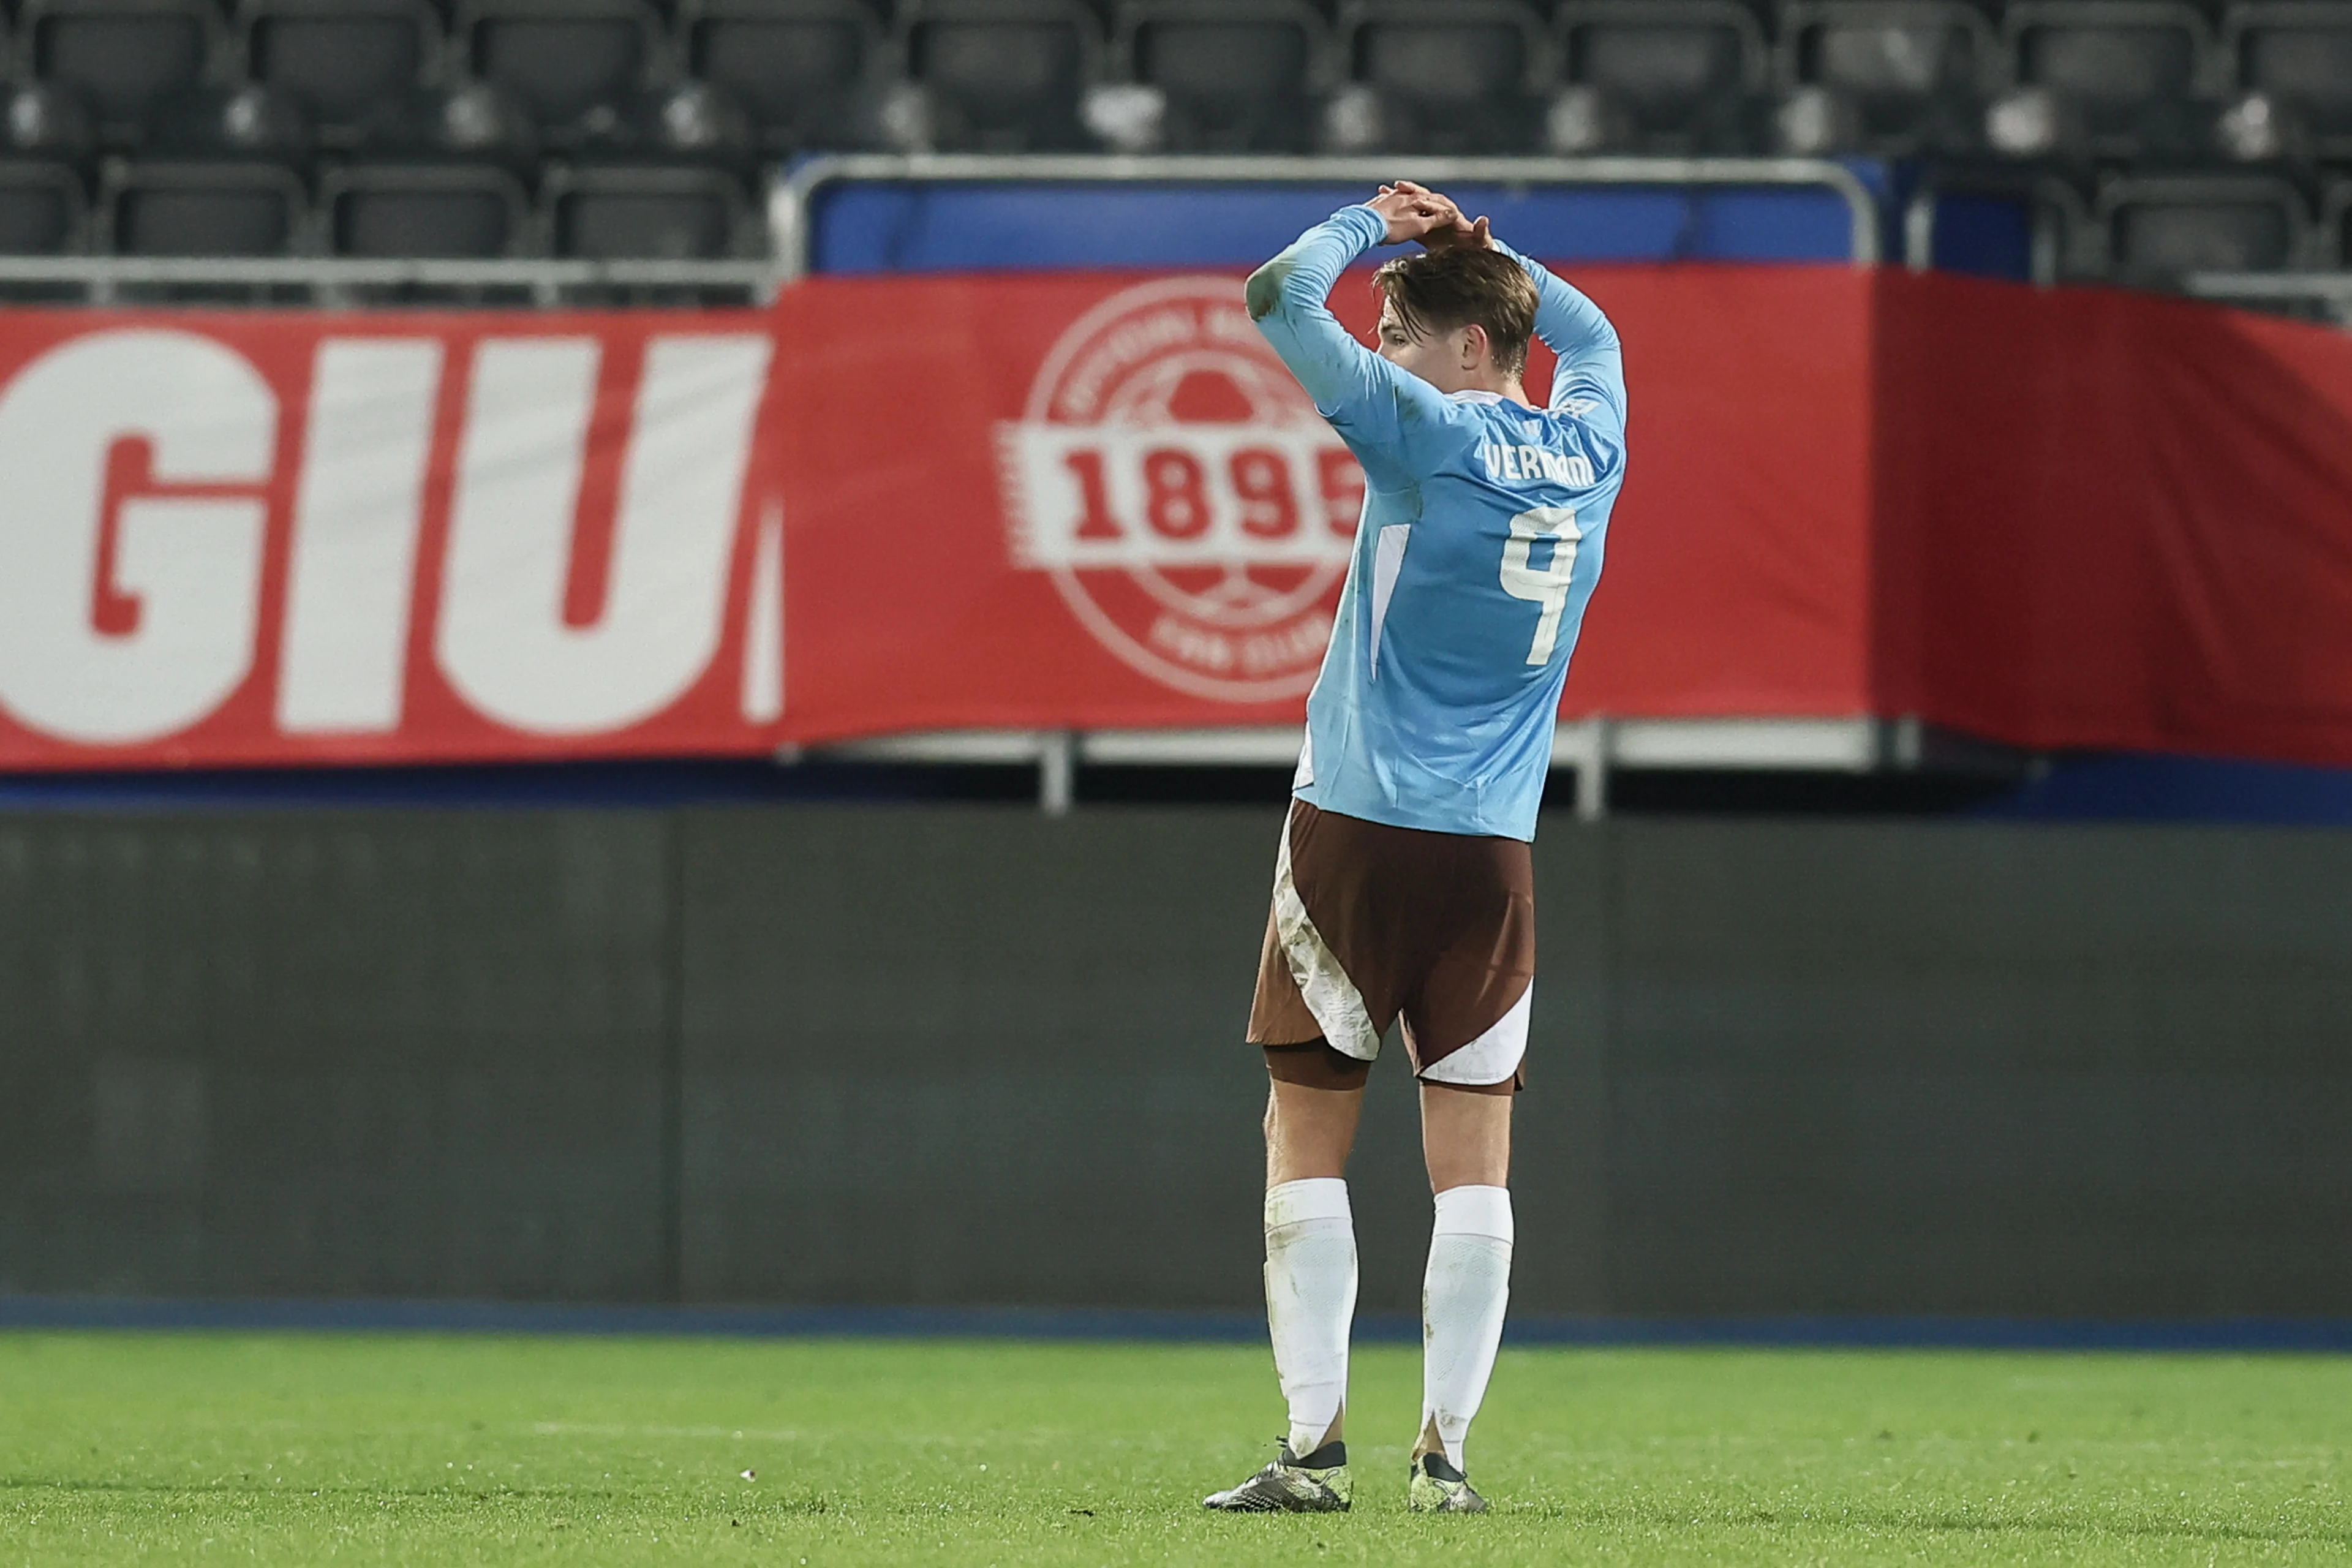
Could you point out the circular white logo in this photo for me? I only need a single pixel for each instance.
(1193, 510)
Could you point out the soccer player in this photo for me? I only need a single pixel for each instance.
(1405, 886)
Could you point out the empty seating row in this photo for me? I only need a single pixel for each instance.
(2152, 230)
(480, 211)
(690, 121)
(2101, 78)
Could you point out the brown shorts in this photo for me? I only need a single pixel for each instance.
(1372, 924)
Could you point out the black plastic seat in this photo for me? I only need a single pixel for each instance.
(44, 210)
(1003, 76)
(1452, 76)
(563, 60)
(2160, 227)
(342, 58)
(2300, 54)
(646, 213)
(1238, 76)
(2332, 245)
(204, 209)
(42, 122)
(471, 122)
(126, 57)
(2126, 72)
(477, 212)
(249, 122)
(1916, 72)
(1679, 74)
(692, 123)
(799, 68)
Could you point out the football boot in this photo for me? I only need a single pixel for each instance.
(1316, 1484)
(1438, 1488)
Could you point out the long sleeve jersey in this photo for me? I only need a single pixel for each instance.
(1478, 548)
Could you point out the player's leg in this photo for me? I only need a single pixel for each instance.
(1309, 1130)
(1311, 1110)
(1466, 1139)
(1307, 996)
(1310, 1280)
(1466, 1025)
(1310, 1253)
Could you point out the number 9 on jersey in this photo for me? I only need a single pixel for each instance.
(1546, 584)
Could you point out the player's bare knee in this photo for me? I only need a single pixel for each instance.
(1466, 1134)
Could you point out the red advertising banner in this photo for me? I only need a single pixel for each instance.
(2114, 521)
(2056, 518)
(1094, 502)
(229, 537)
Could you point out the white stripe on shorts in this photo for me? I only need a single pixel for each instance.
(1338, 1006)
(1493, 1056)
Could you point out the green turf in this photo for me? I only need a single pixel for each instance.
(304, 1449)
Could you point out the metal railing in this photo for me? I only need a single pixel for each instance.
(2328, 294)
(2056, 212)
(1590, 748)
(336, 281)
(791, 214)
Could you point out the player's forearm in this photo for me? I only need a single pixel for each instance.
(1286, 298)
(1567, 319)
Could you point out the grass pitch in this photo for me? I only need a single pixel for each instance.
(312, 1449)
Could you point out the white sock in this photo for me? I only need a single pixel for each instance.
(1462, 1300)
(1310, 1300)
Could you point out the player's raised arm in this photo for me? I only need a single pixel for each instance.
(1591, 363)
(1592, 369)
(1356, 389)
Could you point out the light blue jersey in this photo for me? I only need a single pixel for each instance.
(1478, 548)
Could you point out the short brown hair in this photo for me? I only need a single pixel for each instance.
(1443, 290)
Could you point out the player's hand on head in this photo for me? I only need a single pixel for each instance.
(1410, 214)
(1455, 229)
(1459, 231)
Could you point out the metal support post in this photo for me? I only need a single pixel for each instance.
(1593, 773)
(1057, 768)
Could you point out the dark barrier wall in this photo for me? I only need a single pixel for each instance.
(923, 1055)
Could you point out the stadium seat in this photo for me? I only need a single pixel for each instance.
(564, 61)
(1000, 75)
(472, 122)
(2123, 72)
(1673, 77)
(692, 123)
(2298, 54)
(646, 214)
(473, 211)
(2159, 227)
(127, 58)
(341, 58)
(46, 123)
(1233, 76)
(249, 122)
(1917, 73)
(43, 208)
(802, 68)
(204, 209)
(1444, 75)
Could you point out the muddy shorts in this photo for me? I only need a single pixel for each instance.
(1372, 924)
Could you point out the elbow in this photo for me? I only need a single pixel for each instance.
(1263, 291)
(1601, 335)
